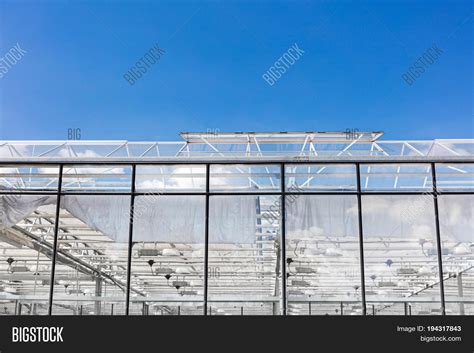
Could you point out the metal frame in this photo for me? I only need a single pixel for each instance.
(55, 241)
(361, 242)
(438, 239)
(206, 241)
(197, 146)
(282, 192)
(130, 239)
(283, 238)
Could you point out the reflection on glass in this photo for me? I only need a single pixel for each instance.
(170, 178)
(319, 177)
(456, 218)
(400, 253)
(322, 255)
(396, 177)
(96, 178)
(454, 177)
(28, 178)
(26, 238)
(91, 259)
(245, 178)
(168, 255)
(244, 256)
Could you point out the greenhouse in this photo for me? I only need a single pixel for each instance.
(283, 223)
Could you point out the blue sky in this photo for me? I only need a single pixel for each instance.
(210, 76)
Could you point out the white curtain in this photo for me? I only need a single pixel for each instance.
(232, 219)
(169, 218)
(309, 216)
(156, 218)
(456, 217)
(13, 208)
(106, 214)
(395, 216)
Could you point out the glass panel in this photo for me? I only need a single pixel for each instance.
(28, 178)
(171, 178)
(168, 255)
(382, 308)
(454, 177)
(330, 177)
(245, 178)
(323, 308)
(26, 238)
(396, 177)
(404, 307)
(458, 289)
(244, 238)
(456, 218)
(93, 178)
(322, 255)
(91, 261)
(400, 252)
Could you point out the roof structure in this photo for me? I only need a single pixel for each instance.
(243, 146)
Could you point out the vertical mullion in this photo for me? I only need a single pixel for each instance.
(206, 239)
(438, 239)
(283, 236)
(361, 240)
(55, 239)
(130, 239)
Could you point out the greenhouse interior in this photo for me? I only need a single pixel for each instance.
(250, 223)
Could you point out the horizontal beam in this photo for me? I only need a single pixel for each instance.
(219, 160)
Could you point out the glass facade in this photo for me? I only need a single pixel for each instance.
(167, 265)
(308, 238)
(400, 256)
